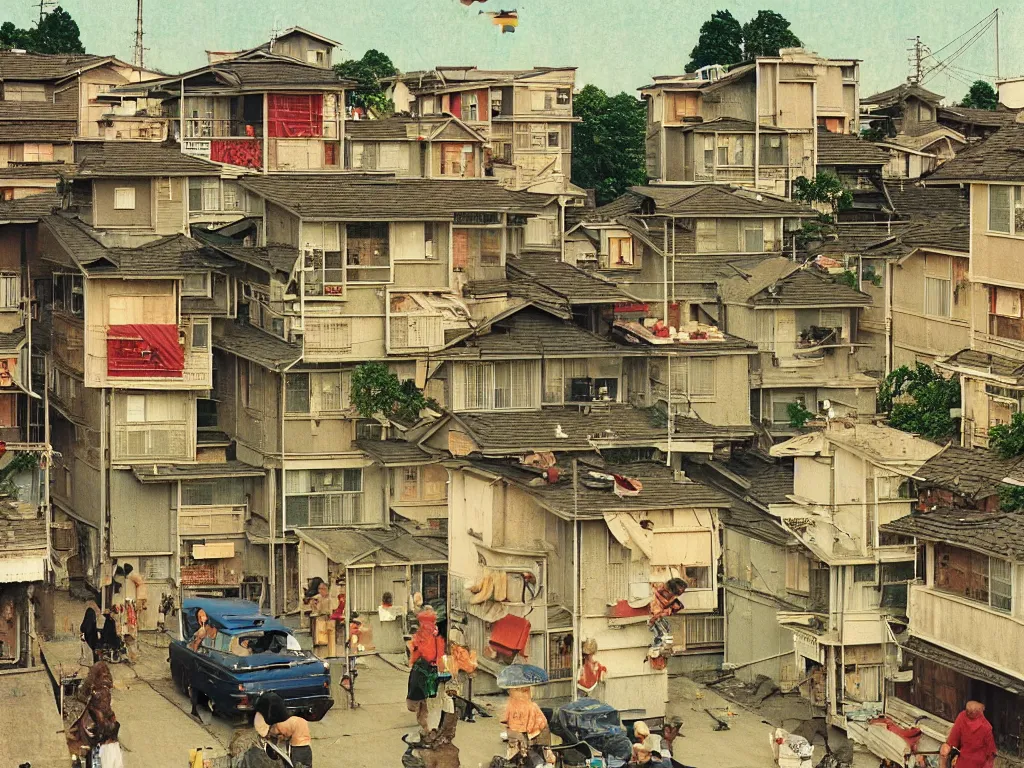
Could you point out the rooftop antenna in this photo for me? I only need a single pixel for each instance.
(274, 32)
(916, 55)
(44, 5)
(139, 50)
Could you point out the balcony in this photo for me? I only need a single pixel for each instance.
(965, 627)
(704, 632)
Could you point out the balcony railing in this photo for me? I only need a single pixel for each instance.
(704, 631)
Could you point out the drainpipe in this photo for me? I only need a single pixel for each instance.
(890, 272)
(757, 123)
(575, 579)
(284, 546)
(103, 493)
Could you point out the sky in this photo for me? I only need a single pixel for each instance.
(616, 44)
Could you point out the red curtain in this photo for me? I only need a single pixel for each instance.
(145, 351)
(247, 153)
(295, 115)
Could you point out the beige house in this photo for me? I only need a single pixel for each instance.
(850, 479)
(769, 111)
(294, 43)
(990, 386)
(442, 147)
(525, 115)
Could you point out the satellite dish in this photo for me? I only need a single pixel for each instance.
(826, 405)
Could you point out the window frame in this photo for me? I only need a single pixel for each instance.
(205, 343)
(122, 204)
(944, 295)
(1014, 210)
(203, 292)
(315, 478)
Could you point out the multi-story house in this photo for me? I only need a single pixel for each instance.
(991, 383)
(51, 102)
(294, 43)
(849, 480)
(526, 117)
(858, 165)
(754, 124)
(437, 147)
(259, 111)
(964, 613)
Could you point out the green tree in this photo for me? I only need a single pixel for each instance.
(798, 415)
(608, 144)
(57, 32)
(1008, 441)
(368, 72)
(766, 33)
(827, 189)
(980, 96)
(378, 391)
(919, 400)
(720, 42)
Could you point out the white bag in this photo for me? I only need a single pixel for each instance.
(110, 756)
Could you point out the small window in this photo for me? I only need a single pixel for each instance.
(937, 297)
(553, 137)
(564, 96)
(200, 335)
(135, 409)
(753, 237)
(124, 199)
(196, 284)
(864, 573)
(296, 393)
(697, 576)
(620, 251)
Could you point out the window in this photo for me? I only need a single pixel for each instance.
(204, 194)
(563, 97)
(701, 378)
(937, 296)
(296, 393)
(10, 290)
(553, 137)
(496, 386)
(1006, 209)
(798, 568)
(620, 251)
(771, 150)
(135, 409)
(200, 335)
(38, 153)
(480, 246)
(987, 580)
(753, 237)
(864, 574)
(323, 497)
(697, 576)
(734, 150)
(124, 199)
(470, 106)
(709, 152)
(367, 250)
(196, 284)
(316, 393)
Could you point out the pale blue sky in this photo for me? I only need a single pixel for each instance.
(617, 44)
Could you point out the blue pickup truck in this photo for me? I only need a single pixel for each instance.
(243, 655)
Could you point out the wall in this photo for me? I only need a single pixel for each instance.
(916, 335)
(170, 205)
(140, 515)
(104, 213)
(281, 226)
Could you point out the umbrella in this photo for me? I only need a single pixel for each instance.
(521, 676)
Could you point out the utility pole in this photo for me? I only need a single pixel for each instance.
(915, 60)
(139, 50)
(43, 6)
(997, 43)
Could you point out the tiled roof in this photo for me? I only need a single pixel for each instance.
(805, 288)
(12, 340)
(27, 209)
(973, 473)
(844, 149)
(40, 66)
(915, 200)
(17, 535)
(770, 481)
(513, 432)
(36, 171)
(402, 128)
(38, 130)
(1000, 157)
(900, 92)
(380, 198)
(276, 71)
(273, 257)
(568, 281)
(730, 125)
(1000, 534)
(984, 362)
(120, 159)
(947, 232)
(394, 453)
(521, 288)
(380, 547)
(660, 491)
(39, 110)
(162, 473)
(983, 117)
(532, 333)
(714, 200)
(251, 343)
(626, 203)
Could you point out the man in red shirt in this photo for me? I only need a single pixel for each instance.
(972, 735)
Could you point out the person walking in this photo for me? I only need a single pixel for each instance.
(273, 723)
(89, 629)
(971, 735)
(427, 648)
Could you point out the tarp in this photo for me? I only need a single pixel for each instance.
(295, 115)
(627, 531)
(145, 350)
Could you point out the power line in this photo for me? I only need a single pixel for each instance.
(945, 63)
(990, 16)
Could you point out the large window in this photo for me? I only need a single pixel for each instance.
(735, 149)
(737, 235)
(772, 149)
(323, 497)
(368, 253)
(978, 577)
(937, 296)
(1006, 209)
(316, 392)
(477, 246)
(574, 380)
(693, 378)
(496, 386)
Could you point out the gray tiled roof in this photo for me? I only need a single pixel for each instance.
(660, 491)
(350, 196)
(568, 281)
(394, 453)
(273, 257)
(844, 149)
(399, 128)
(981, 117)
(713, 200)
(120, 159)
(513, 432)
(39, 110)
(1000, 534)
(730, 125)
(913, 200)
(521, 288)
(973, 473)
(770, 481)
(276, 71)
(805, 288)
(533, 333)
(18, 535)
(13, 340)
(1000, 157)
(40, 66)
(38, 130)
(900, 92)
(36, 171)
(382, 547)
(162, 473)
(30, 208)
(986, 363)
(251, 343)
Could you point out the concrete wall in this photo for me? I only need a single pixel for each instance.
(104, 213)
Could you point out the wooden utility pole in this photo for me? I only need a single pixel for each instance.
(139, 50)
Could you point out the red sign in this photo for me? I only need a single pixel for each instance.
(632, 308)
